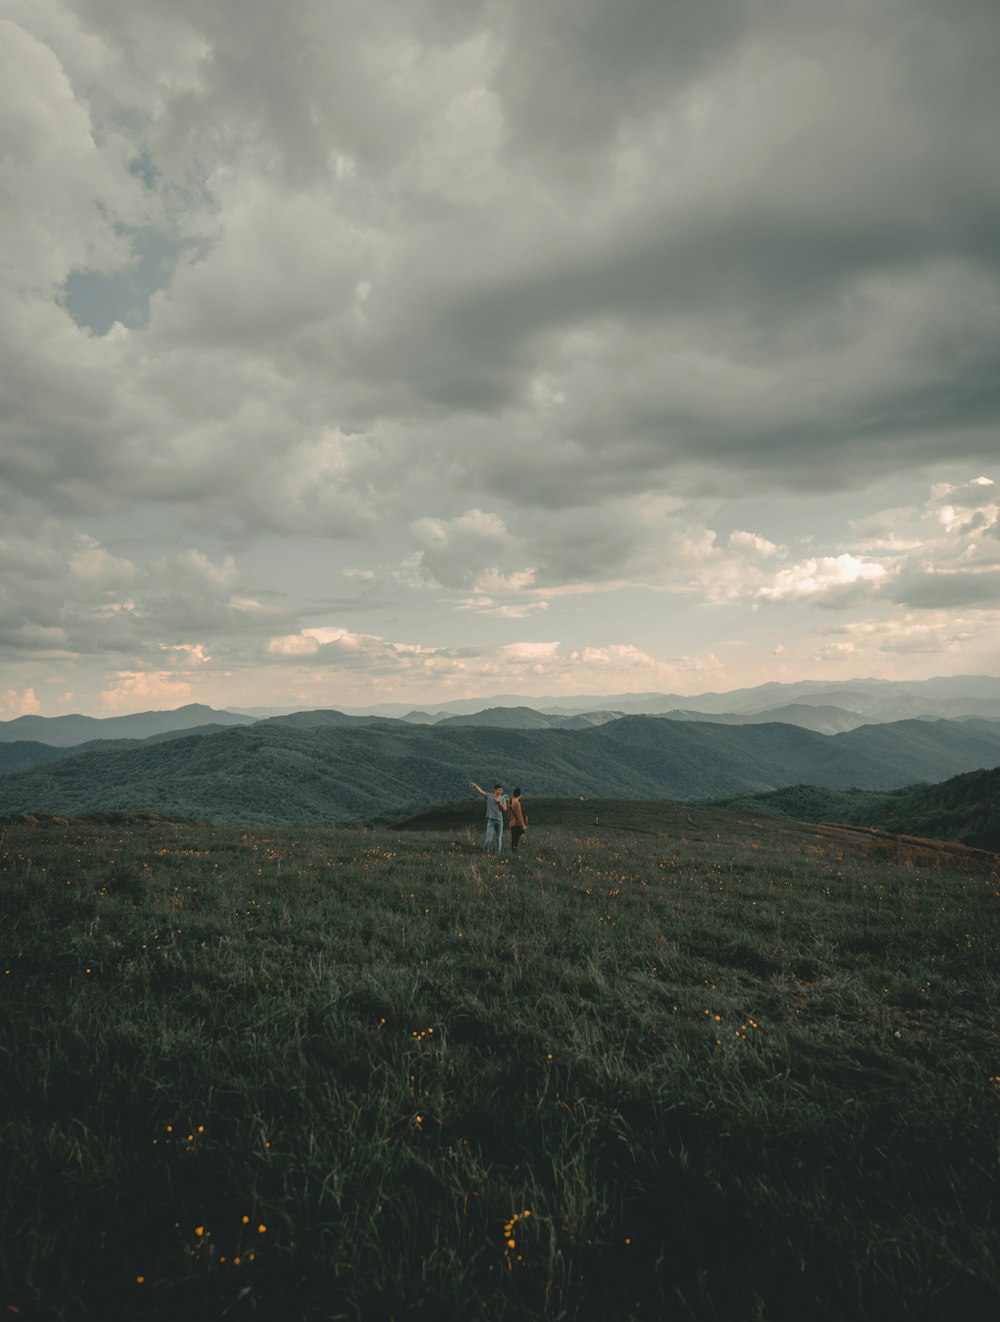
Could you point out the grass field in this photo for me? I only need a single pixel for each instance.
(668, 1062)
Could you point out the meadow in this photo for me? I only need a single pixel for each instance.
(667, 1062)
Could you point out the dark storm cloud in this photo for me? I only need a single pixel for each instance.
(855, 258)
(629, 247)
(573, 69)
(951, 590)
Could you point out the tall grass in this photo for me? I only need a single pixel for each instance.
(726, 1069)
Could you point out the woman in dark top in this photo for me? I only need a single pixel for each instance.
(518, 824)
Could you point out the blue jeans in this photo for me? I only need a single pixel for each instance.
(494, 827)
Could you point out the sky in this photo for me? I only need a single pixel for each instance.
(355, 353)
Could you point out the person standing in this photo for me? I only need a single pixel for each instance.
(496, 805)
(518, 821)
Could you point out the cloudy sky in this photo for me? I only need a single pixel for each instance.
(357, 352)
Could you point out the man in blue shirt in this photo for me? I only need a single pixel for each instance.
(496, 806)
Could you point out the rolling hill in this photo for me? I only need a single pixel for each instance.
(23, 754)
(272, 772)
(965, 808)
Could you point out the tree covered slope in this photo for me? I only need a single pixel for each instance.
(272, 773)
(965, 808)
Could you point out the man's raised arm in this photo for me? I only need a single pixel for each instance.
(478, 788)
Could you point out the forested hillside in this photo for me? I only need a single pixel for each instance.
(964, 808)
(273, 773)
(23, 754)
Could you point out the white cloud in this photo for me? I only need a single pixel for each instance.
(512, 610)
(481, 524)
(828, 579)
(14, 704)
(836, 652)
(752, 544)
(68, 593)
(954, 556)
(145, 690)
(308, 641)
(190, 653)
(928, 633)
(64, 195)
(396, 669)
(492, 580)
(533, 652)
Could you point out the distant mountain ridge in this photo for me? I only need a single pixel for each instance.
(874, 699)
(65, 731)
(527, 718)
(811, 704)
(271, 772)
(820, 717)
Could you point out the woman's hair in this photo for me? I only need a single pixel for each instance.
(517, 794)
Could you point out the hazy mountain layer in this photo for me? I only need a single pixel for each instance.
(66, 731)
(821, 718)
(526, 718)
(875, 699)
(812, 704)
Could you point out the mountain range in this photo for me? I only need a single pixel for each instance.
(811, 704)
(68, 731)
(527, 718)
(321, 767)
(871, 699)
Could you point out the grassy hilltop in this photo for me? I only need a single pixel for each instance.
(669, 1062)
